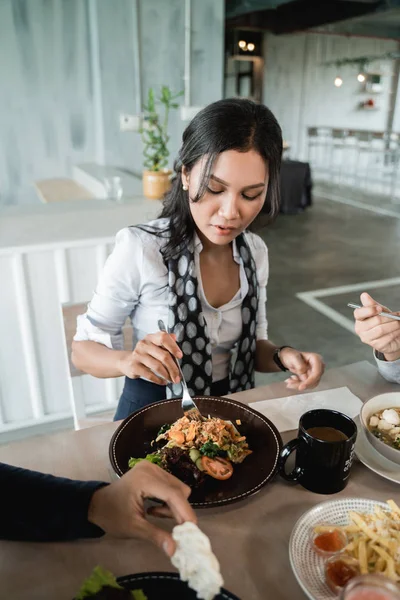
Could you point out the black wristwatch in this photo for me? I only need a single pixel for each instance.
(276, 358)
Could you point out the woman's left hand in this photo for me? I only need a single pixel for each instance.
(307, 368)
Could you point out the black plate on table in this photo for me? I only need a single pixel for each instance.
(134, 435)
(165, 585)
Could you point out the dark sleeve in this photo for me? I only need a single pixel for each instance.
(39, 507)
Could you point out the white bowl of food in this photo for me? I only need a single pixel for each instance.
(380, 419)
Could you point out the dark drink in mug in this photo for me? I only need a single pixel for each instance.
(324, 451)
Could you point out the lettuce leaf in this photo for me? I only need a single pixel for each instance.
(138, 595)
(153, 458)
(97, 580)
(102, 578)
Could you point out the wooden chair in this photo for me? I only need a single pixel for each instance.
(59, 190)
(70, 313)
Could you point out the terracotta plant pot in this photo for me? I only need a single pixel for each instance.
(156, 183)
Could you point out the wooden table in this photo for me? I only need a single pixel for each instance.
(250, 538)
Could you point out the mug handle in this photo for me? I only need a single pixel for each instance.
(285, 453)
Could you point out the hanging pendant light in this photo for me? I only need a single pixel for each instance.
(338, 81)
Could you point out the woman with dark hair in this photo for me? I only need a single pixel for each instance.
(200, 270)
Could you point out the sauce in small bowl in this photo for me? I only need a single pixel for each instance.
(328, 540)
(339, 570)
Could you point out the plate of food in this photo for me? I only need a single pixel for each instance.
(340, 539)
(227, 457)
(199, 575)
(372, 459)
(102, 585)
(380, 420)
(156, 585)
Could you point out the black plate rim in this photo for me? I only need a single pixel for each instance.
(166, 575)
(245, 407)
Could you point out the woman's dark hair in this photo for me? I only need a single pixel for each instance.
(231, 124)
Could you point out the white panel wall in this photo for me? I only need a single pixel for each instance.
(15, 393)
(47, 331)
(83, 279)
(34, 371)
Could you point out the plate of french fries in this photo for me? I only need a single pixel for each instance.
(372, 532)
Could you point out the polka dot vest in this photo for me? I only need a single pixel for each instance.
(187, 322)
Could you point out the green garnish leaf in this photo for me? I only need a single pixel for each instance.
(98, 579)
(138, 595)
(154, 458)
(101, 578)
(164, 429)
(211, 450)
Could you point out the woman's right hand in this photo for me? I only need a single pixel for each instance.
(381, 333)
(119, 508)
(152, 359)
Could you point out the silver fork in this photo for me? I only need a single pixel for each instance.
(188, 406)
(381, 314)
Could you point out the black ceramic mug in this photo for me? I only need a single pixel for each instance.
(324, 451)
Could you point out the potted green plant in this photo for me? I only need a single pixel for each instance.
(156, 176)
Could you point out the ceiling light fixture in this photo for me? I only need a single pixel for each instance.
(338, 81)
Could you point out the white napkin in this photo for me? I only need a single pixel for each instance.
(286, 412)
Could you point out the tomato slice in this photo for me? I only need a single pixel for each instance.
(217, 467)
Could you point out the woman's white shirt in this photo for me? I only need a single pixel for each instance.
(134, 284)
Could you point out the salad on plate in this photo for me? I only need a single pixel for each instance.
(192, 450)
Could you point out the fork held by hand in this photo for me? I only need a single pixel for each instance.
(381, 314)
(188, 406)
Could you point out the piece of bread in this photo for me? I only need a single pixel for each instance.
(196, 562)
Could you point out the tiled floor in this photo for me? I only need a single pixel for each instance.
(356, 196)
(331, 244)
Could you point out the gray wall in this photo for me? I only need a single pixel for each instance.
(46, 100)
(58, 109)
(300, 91)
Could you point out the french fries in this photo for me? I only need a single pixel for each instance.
(374, 540)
